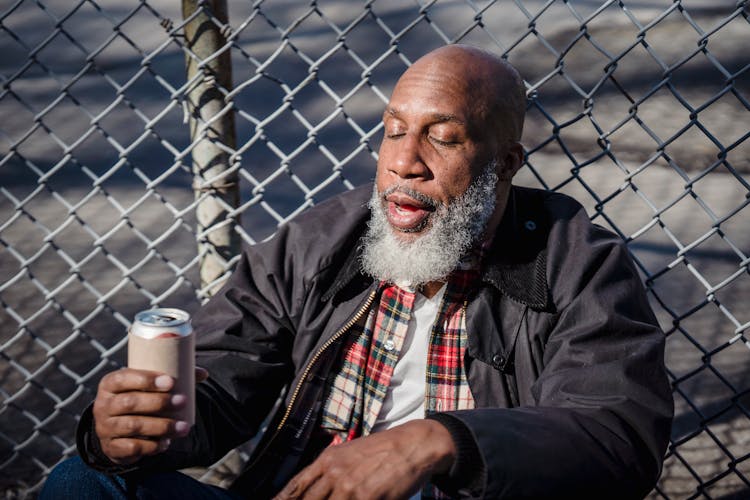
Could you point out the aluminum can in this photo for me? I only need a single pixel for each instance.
(162, 340)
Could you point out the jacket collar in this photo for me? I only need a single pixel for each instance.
(515, 262)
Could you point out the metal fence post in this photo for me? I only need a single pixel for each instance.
(212, 133)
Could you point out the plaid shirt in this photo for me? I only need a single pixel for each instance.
(374, 347)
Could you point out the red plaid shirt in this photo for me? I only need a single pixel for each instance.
(374, 347)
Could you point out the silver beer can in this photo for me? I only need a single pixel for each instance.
(162, 340)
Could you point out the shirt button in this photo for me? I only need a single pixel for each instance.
(498, 360)
(389, 345)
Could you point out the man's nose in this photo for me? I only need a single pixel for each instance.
(408, 161)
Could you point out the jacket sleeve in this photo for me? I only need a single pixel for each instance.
(600, 418)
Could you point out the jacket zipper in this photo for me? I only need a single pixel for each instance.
(320, 351)
(357, 316)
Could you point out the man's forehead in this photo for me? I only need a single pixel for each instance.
(440, 97)
(438, 81)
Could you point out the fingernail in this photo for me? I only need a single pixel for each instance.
(181, 427)
(164, 444)
(178, 399)
(163, 382)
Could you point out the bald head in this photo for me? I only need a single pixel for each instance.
(493, 87)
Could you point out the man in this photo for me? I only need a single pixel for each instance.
(459, 337)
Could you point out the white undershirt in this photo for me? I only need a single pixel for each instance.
(404, 399)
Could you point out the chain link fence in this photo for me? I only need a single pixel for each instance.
(124, 176)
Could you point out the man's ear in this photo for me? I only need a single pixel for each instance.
(508, 165)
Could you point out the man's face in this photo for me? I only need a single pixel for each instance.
(434, 144)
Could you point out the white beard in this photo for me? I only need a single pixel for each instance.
(452, 231)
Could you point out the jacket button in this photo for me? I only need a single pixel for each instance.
(530, 225)
(498, 360)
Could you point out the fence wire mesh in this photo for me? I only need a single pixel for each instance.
(638, 108)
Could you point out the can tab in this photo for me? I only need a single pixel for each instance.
(158, 318)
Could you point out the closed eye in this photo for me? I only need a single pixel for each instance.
(440, 142)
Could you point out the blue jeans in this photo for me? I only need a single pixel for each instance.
(72, 479)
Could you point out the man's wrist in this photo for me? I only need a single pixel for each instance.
(442, 445)
(468, 471)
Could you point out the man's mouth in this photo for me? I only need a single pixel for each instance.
(406, 213)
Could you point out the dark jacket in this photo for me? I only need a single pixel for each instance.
(564, 358)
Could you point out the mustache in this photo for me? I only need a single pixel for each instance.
(420, 197)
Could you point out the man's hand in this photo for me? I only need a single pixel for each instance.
(390, 464)
(132, 413)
